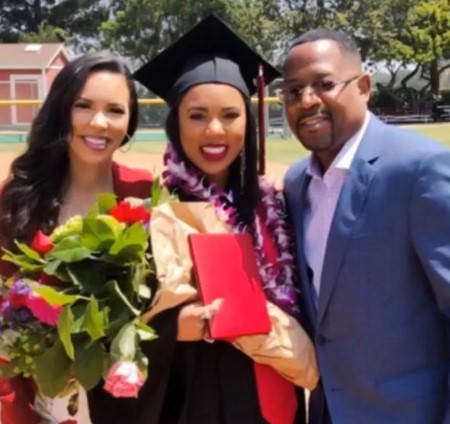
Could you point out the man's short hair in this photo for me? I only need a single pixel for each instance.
(346, 43)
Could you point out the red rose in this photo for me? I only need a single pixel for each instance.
(17, 300)
(128, 214)
(49, 280)
(41, 243)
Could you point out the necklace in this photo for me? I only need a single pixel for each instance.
(278, 278)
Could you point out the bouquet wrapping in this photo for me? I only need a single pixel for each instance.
(287, 348)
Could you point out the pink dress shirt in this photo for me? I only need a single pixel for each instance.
(323, 195)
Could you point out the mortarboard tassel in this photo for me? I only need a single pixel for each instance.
(261, 122)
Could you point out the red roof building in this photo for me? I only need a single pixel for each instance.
(26, 73)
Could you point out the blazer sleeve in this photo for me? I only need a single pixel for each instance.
(430, 224)
(430, 229)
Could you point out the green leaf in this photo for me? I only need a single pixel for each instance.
(113, 287)
(125, 344)
(144, 331)
(127, 253)
(78, 312)
(97, 234)
(58, 269)
(29, 253)
(65, 324)
(53, 370)
(72, 227)
(141, 272)
(116, 323)
(141, 280)
(93, 322)
(142, 363)
(93, 211)
(132, 243)
(52, 267)
(69, 250)
(159, 193)
(106, 201)
(155, 191)
(88, 274)
(89, 364)
(53, 297)
(24, 263)
(144, 291)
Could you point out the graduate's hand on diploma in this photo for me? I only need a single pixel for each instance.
(192, 320)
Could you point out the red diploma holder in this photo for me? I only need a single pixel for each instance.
(225, 268)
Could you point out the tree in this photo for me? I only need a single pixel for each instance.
(77, 20)
(44, 34)
(139, 29)
(419, 35)
(258, 23)
(81, 19)
(427, 35)
(142, 28)
(17, 17)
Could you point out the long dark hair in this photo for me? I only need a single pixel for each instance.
(31, 197)
(243, 176)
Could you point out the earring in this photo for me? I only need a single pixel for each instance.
(126, 144)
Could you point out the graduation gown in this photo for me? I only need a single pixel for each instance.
(188, 383)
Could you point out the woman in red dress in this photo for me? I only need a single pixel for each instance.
(90, 111)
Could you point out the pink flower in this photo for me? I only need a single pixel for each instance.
(41, 310)
(124, 379)
(41, 243)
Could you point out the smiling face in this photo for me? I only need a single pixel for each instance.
(326, 97)
(212, 125)
(100, 116)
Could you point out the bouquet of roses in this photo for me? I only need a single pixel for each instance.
(73, 310)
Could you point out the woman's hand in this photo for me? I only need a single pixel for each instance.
(192, 320)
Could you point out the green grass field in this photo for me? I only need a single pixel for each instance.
(278, 150)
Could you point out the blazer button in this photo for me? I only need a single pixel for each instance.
(321, 339)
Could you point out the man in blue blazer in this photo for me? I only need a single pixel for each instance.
(371, 212)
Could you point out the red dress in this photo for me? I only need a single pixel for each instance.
(17, 394)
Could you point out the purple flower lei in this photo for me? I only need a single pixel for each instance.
(278, 278)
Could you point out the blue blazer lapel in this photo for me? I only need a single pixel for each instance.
(351, 200)
(305, 283)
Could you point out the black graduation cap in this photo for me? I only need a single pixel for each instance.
(209, 53)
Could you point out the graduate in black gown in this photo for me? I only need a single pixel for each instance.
(191, 380)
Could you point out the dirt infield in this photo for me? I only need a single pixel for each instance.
(136, 160)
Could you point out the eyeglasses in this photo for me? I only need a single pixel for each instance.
(293, 95)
